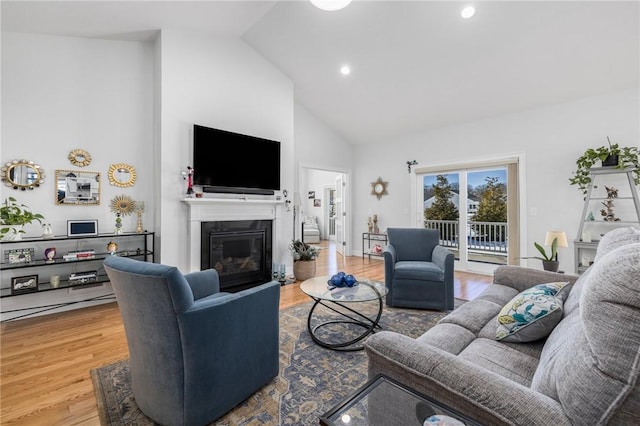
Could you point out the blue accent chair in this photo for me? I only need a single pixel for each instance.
(417, 270)
(195, 352)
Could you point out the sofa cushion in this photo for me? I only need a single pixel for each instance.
(590, 362)
(616, 238)
(501, 359)
(532, 314)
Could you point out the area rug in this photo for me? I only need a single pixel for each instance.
(312, 379)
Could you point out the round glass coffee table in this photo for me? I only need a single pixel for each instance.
(348, 304)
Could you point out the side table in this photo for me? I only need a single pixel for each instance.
(369, 238)
(383, 401)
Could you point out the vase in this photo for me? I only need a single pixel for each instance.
(550, 265)
(304, 269)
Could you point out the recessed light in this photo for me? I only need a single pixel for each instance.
(345, 70)
(468, 12)
(330, 5)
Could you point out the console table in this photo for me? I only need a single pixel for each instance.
(369, 239)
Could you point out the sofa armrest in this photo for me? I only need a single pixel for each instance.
(203, 283)
(521, 278)
(472, 390)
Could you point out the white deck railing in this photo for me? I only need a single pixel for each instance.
(482, 237)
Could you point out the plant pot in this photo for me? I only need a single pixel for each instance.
(304, 269)
(611, 160)
(550, 265)
(14, 234)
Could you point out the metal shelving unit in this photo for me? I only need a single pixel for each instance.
(589, 247)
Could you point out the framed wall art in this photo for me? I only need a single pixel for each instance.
(21, 255)
(312, 195)
(26, 284)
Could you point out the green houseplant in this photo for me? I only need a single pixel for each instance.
(612, 155)
(304, 259)
(549, 261)
(14, 216)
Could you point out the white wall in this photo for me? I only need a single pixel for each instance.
(550, 139)
(220, 83)
(64, 93)
(318, 147)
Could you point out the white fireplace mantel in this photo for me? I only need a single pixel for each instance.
(221, 209)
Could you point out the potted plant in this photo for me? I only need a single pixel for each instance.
(14, 216)
(304, 259)
(549, 261)
(609, 156)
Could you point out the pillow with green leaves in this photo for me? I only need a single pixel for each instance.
(533, 313)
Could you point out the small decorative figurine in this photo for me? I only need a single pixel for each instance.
(49, 254)
(189, 178)
(376, 230)
(47, 231)
(139, 210)
(590, 216)
(112, 247)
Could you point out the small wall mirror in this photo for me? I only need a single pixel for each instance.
(80, 158)
(77, 188)
(379, 188)
(22, 175)
(122, 175)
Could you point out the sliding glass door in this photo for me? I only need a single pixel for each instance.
(471, 209)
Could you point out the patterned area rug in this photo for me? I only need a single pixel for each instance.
(312, 379)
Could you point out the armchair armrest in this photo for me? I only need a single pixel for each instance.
(521, 278)
(390, 258)
(444, 258)
(481, 394)
(203, 283)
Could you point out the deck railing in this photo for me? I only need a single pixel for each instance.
(482, 237)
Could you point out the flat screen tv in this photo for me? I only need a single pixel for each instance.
(227, 162)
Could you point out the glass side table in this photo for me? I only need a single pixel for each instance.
(382, 402)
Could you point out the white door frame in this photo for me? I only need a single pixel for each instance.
(417, 217)
(302, 167)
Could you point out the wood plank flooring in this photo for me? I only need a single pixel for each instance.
(45, 361)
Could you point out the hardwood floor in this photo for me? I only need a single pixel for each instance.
(45, 361)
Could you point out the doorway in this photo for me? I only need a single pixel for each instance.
(325, 194)
(475, 208)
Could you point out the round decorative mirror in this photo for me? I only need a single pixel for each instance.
(79, 158)
(122, 175)
(22, 175)
(379, 188)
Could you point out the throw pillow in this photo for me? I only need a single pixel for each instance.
(532, 314)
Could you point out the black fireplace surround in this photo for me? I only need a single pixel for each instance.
(240, 250)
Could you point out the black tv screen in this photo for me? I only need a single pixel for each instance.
(231, 162)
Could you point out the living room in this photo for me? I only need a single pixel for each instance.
(133, 95)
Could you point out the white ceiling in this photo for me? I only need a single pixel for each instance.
(416, 65)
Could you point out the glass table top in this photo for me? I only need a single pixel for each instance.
(383, 401)
(366, 290)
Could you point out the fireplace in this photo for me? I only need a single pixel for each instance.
(240, 250)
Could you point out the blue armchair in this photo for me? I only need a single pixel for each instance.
(417, 270)
(195, 352)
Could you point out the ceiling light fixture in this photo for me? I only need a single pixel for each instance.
(330, 5)
(468, 12)
(345, 70)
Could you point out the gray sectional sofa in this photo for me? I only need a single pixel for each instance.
(584, 373)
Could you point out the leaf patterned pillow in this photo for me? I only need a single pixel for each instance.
(533, 313)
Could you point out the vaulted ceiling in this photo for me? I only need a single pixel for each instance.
(415, 66)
